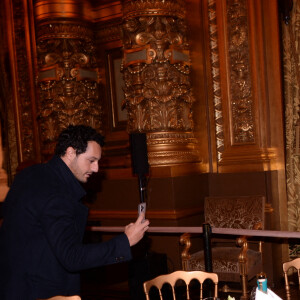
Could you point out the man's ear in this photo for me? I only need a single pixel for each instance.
(70, 153)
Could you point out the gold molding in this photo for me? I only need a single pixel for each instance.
(80, 10)
(249, 159)
(167, 148)
(132, 9)
(47, 9)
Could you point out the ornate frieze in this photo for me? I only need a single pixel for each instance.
(156, 68)
(67, 79)
(64, 29)
(132, 9)
(243, 127)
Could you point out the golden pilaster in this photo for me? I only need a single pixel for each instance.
(156, 68)
(67, 69)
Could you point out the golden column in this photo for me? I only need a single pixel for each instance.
(156, 68)
(67, 69)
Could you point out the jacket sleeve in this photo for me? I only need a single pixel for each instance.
(61, 220)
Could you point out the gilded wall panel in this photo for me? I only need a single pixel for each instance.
(243, 126)
(291, 59)
(239, 85)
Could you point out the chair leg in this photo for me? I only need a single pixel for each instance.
(243, 270)
(287, 286)
(244, 279)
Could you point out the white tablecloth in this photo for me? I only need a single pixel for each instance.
(263, 296)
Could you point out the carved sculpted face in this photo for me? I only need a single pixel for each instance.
(85, 164)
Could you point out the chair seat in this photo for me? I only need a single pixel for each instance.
(225, 263)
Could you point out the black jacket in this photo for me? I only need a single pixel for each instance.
(41, 248)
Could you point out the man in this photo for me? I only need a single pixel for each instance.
(41, 249)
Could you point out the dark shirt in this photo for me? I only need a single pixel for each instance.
(41, 249)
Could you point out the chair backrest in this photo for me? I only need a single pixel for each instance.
(286, 266)
(240, 212)
(187, 277)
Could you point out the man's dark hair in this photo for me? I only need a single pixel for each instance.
(77, 137)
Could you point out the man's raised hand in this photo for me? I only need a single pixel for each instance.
(135, 231)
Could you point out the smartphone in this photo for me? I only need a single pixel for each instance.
(142, 208)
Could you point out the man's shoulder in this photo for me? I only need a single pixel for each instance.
(34, 170)
(38, 176)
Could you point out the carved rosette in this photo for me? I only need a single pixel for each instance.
(156, 68)
(67, 79)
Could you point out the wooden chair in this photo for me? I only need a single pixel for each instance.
(286, 266)
(187, 277)
(232, 263)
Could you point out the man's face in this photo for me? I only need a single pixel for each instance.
(85, 164)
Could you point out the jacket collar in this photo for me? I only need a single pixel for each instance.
(66, 175)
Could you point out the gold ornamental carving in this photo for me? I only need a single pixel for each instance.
(156, 69)
(215, 63)
(63, 9)
(243, 126)
(67, 79)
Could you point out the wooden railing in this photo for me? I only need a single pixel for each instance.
(226, 231)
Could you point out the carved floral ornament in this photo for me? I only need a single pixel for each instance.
(67, 80)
